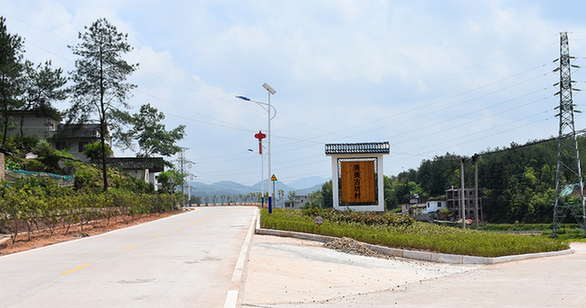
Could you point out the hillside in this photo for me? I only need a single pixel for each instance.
(517, 182)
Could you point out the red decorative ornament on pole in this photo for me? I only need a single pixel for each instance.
(260, 136)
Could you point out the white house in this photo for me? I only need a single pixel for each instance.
(433, 205)
(139, 168)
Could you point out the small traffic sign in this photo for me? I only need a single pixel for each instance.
(274, 178)
(318, 220)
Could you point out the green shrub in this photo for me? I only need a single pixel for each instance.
(9, 163)
(415, 235)
(41, 204)
(516, 227)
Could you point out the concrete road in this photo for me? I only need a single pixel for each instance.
(193, 259)
(286, 272)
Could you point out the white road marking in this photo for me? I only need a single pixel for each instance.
(231, 299)
(237, 276)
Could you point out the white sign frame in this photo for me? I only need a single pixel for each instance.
(377, 207)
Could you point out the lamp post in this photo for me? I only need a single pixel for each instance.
(266, 107)
(262, 171)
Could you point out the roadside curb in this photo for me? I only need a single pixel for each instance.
(413, 254)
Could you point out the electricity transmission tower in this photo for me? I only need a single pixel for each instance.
(185, 164)
(568, 171)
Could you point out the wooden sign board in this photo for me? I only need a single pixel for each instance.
(358, 182)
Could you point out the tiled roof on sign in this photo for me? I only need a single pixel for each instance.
(358, 148)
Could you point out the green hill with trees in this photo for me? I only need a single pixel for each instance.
(516, 183)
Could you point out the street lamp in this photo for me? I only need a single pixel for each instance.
(266, 107)
(262, 171)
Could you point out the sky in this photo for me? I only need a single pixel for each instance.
(430, 77)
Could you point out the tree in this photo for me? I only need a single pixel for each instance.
(41, 85)
(291, 195)
(100, 87)
(391, 200)
(280, 195)
(195, 200)
(151, 134)
(178, 179)
(326, 194)
(311, 197)
(94, 150)
(11, 69)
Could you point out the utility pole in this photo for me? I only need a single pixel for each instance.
(475, 161)
(568, 171)
(463, 205)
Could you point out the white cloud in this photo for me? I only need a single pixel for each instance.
(343, 70)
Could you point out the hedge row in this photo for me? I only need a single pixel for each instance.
(44, 207)
(417, 235)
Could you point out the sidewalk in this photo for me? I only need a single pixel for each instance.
(288, 272)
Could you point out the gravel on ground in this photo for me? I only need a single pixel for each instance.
(351, 246)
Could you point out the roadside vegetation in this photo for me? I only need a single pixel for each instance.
(36, 204)
(403, 232)
(32, 200)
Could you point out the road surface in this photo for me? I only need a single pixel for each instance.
(202, 259)
(287, 273)
(187, 260)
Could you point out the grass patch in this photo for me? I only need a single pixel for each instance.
(523, 227)
(400, 232)
(568, 233)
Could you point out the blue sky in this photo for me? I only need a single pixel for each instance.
(430, 77)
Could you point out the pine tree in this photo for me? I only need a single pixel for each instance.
(100, 83)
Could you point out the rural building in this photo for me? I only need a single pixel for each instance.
(453, 199)
(72, 138)
(140, 168)
(415, 207)
(297, 202)
(33, 125)
(433, 206)
(422, 208)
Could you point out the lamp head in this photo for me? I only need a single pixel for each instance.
(243, 97)
(271, 90)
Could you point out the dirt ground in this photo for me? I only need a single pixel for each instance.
(43, 238)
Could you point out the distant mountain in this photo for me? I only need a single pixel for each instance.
(306, 191)
(309, 182)
(218, 188)
(229, 188)
(278, 185)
